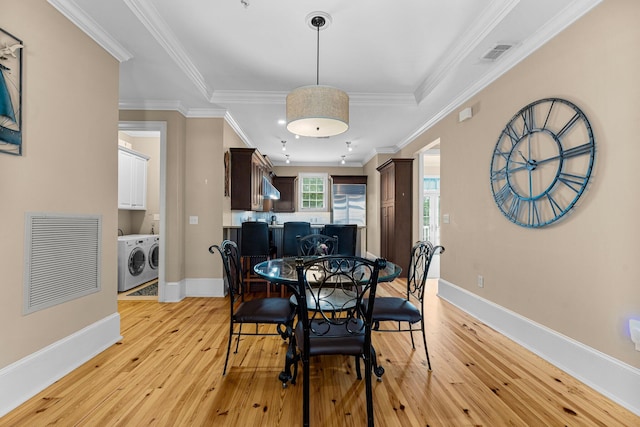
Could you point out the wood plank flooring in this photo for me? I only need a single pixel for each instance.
(167, 371)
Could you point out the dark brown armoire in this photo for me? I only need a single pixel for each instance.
(395, 211)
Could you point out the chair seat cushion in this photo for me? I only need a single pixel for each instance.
(265, 310)
(395, 309)
(333, 339)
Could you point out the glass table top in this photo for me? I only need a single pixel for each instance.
(283, 271)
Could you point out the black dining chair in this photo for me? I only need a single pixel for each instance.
(332, 319)
(272, 311)
(254, 248)
(401, 309)
(290, 233)
(317, 244)
(347, 236)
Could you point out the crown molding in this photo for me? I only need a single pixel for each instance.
(280, 97)
(248, 97)
(206, 113)
(238, 130)
(402, 99)
(487, 22)
(561, 21)
(133, 104)
(148, 15)
(80, 19)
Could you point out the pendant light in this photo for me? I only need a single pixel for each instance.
(317, 111)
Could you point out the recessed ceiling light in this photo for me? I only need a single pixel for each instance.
(282, 122)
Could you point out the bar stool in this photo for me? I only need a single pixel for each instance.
(347, 234)
(292, 229)
(254, 248)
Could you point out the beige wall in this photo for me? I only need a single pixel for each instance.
(578, 277)
(204, 190)
(70, 123)
(175, 177)
(195, 185)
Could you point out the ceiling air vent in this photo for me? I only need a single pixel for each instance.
(496, 51)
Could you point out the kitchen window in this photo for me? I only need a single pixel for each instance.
(312, 192)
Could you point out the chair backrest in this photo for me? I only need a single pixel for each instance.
(255, 239)
(291, 230)
(317, 244)
(347, 234)
(330, 292)
(421, 255)
(230, 255)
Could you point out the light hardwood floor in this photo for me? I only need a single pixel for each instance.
(167, 372)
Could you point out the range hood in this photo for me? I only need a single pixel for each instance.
(268, 190)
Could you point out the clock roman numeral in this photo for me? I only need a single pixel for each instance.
(514, 208)
(528, 119)
(534, 214)
(555, 207)
(578, 151)
(568, 126)
(512, 134)
(500, 174)
(574, 182)
(546, 119)
(503, 154)
(503, 195)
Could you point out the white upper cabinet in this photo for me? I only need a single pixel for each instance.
(132, 179)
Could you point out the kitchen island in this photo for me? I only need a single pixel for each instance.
(276, 231)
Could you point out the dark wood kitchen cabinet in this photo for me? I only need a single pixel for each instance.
(248, 168)
(287, 187)
(395, 211)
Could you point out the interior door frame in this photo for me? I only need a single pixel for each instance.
(430, 149)
(161, 127)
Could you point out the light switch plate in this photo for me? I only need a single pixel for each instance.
(193, 220)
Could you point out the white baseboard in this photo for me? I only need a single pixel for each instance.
(618, 381)
(177, 291)
(25, 378)
(206, 288)
(173, 292)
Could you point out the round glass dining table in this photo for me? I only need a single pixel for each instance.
(283, 271)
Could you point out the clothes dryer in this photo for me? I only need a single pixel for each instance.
(132, 261)
(153, 256)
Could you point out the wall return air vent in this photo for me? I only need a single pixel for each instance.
(496, 51)
(62, 258)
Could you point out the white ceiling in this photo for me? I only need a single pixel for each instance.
(405, 64)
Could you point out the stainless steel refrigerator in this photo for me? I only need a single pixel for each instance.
(349, 203)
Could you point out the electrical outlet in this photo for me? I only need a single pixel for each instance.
(480, 281)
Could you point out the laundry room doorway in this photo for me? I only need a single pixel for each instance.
(149, 221)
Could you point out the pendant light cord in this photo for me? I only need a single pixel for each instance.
(318, 57)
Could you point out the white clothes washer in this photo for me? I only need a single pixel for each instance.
(133, 266)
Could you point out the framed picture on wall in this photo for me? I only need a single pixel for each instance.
(10, 94)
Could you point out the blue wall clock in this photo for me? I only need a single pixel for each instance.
(542, 162)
